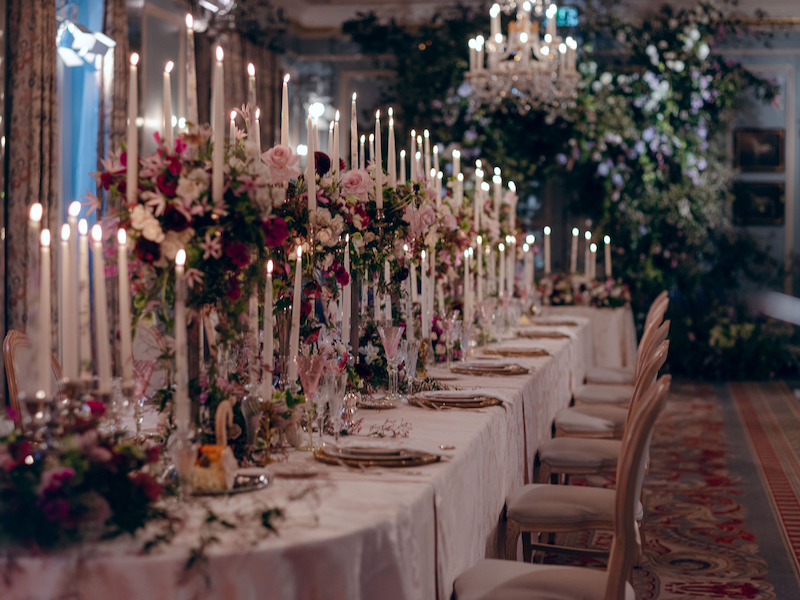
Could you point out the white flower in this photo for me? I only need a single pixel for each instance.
(190, 188)
(651, 51)
(370, 352)
(596, 86)
(678, 66)
(606, 78)
(152, 231)
(140, 216)
(703, 51)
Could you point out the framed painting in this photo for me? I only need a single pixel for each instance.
(757, 203)
(758, 150)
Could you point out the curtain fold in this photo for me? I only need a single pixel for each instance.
(32, 142)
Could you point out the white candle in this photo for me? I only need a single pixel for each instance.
(335, 166)
(44, 342)
(512, 207)
(68, 310)
(132, 149)
(330, 144)
(347, 292)
(316, 135)
(423, 273)
(35, 320)
(459, 193)
(167, 130)
(511, 262)
(547, 250)
(232, 133)
(436, 158)
(497, 180)
(72, 318)
(85, 313)
(573, 257)
(257, 131)
(294, 337)
(372, 147)
(501, 270)
(494, 13)
(420, 176)
(285, 112)
(267, 349)
(479, 269)
(362, 161)
(593, 263)
(402, 179)
(251, 86)
(217, 123)
(528, 260)
(431, 284)
(607, 254)
(102, 343)
(391, 157)
(364, 296)
(413, 277)
(182, 406)
(311, 177)
(378, 163)
(252, 331)
(126, 347)
(191, 73)
(353, 134)
(478, 203)
(414, 174)
(588, 237)
(426, 136)
(467, 289)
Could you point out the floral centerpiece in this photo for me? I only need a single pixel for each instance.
(88, 486)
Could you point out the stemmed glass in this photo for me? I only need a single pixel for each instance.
(412, 352)
(448, 323)
(486, 317)
(309, 368)
(336, 399)
(390, 337)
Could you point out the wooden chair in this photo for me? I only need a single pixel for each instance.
(16, 353)
(607, 419)
(492, 579)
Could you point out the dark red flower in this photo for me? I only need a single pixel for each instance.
(167, 185)
(322, 163)
(147, 484)
(175, 220)
(275, 232)
(237, 252)
(107, 179)
(175, 165)
(180, 145)
(96, 407)
(306, 308)
(342, 276)
(342, 165)
(152, 454)
(147, 251)
(312, 338)
(234, 292)
(123, 159)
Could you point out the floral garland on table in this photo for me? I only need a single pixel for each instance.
(90, 485)
(566, 290)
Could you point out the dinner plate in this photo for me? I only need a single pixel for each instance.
(454, 399)
(517, 352)
(533, 335)
(374, 456)
(489, 368)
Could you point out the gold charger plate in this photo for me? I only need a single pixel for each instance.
(511, 369)
(404, 458)
(479, 401)
(517, 352)
(533, 335)
(553, 323)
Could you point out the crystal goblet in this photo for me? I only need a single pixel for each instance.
(390, 337)
(309, 369)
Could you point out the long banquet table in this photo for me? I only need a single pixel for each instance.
(356, 534)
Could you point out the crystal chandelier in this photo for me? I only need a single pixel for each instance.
(537, 70)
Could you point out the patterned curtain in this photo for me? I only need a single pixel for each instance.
(32, 141)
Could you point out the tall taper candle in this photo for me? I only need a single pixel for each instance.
(573, 257)
(362, 159)
(459, 193)
(285, 112)
(371, 148)
(232, 133)
(479, 268)
(336, 167)
(547, 250)
(311, 177)
(423, 274)
(72, 319)
(183, 410)
(412, 157)
(467, 289)
(586, 258)
(330, 144)
(391, 156)
(402, 179)
(528, 263)
(191, 73)
(426, 136)
(497, 180)
(35, 320)
(436, 158)
(252, 332)
(593, 263)
(101, 340)
(378, 163)
(353, 134)
(294, 337)
(347, 293)
(68, 309)
(456, 162)
(501, 268)
(125, 346)
(251, 87)
(257, 131)
(43, 345)
(267, 342)
(607, 255)
(218, 124)
(167, 131)
(85, 311)
(132, 141)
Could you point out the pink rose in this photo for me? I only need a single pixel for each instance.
(357, 183)
(419, 219)
(282, 163)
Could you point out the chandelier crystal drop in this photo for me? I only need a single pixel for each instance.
(531, 63)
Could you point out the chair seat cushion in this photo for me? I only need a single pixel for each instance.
(587, 419)
(610, 375)
(510, 580)
(563, 505)
(581, 455)
(603, 394)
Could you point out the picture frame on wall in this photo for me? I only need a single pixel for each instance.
(759, 150)
(758, 203)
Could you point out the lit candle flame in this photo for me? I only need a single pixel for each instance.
(97, 233)
(134, 59)
(220, 54)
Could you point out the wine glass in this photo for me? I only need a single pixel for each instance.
(336, 400)
(486, 317)
(309, 369)
(390, 337)
(412, 352)
(448, 323)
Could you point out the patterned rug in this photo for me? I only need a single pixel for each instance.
(699, 540)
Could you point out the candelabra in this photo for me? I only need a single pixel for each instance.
(538, 71)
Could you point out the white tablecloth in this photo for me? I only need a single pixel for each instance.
(358, 534)
(613, 333)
